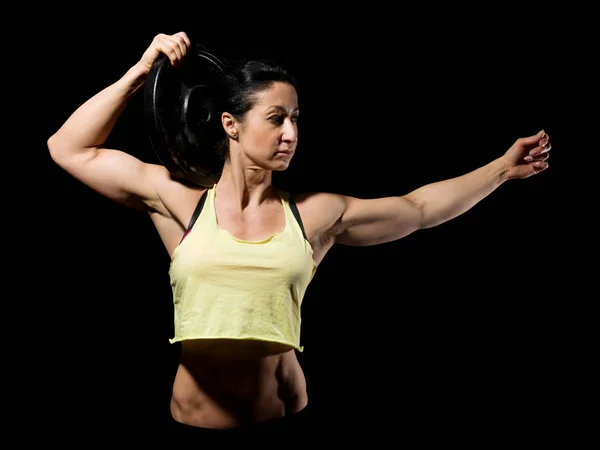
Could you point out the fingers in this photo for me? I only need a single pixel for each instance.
(175, 46)
(545, 144)
(539, 166)
(184, 37)
(538, 160)
(532, 140)
(540, 153)
(530, 154)
(183, 42)
(542, 148)
(539, 157)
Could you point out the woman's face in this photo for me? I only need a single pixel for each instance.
(269, 133)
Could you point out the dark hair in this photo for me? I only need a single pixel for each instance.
(240, 86)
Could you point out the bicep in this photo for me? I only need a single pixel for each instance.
(376, 221)
(116, 175)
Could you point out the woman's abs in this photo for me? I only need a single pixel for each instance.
(227, 384)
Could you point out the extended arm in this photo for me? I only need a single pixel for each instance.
(374, 221)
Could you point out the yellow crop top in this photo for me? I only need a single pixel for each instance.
(225, 287)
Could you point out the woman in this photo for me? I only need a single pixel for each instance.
(243, 252)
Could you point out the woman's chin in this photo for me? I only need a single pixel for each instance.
(280, 166)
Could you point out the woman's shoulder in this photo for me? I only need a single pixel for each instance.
(180, 195)
(319, 202)
(316, 196)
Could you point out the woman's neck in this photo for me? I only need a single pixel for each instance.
(245, 187)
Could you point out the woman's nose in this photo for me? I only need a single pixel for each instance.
(290, 132)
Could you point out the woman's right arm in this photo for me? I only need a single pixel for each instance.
(79, 144)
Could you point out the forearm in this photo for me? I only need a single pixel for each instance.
(90, 125)
(444, 200)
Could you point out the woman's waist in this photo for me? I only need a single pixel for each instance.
(236, 382)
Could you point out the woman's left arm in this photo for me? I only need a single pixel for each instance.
(374, 221)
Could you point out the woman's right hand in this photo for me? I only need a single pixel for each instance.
(174, 46)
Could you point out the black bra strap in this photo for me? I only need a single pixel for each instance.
(197, 211)
(200, 205)
(296, 213)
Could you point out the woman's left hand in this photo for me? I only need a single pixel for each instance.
(528, 155)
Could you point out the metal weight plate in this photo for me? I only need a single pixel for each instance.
(181, 117)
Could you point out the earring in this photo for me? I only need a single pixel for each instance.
(234, 136)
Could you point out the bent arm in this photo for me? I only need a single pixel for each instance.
(78, 148)
(79, 145)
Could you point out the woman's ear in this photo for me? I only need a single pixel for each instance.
(229, 124)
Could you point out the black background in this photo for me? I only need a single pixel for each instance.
(454, 330)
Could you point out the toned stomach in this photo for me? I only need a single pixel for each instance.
(228, 383)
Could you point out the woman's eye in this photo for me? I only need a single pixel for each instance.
(281, 119)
